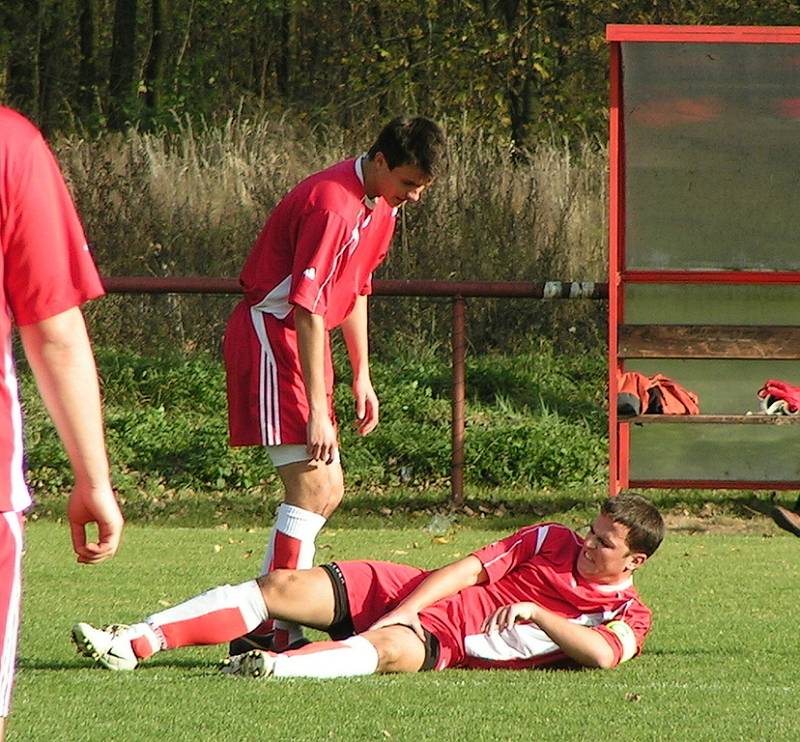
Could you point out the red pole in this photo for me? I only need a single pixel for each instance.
(459, 352)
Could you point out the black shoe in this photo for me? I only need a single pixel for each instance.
(786, 519)
(249, 642)
(262, 642)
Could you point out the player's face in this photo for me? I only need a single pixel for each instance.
(605, 556)
(400, 184)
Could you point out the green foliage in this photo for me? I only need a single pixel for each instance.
(192, 202)
(520, 69)
(167, 427)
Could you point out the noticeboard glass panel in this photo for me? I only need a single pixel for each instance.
(711, 156)
(712, 304)
(714, 452)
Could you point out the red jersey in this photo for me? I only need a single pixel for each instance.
(535, 564)
(319, 247)
(45, 265)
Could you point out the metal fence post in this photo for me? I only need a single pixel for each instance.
(458, 421)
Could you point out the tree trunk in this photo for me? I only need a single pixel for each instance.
(283, 67)
(87, 69)
(25, 30)
(155, 60)
(121, 72)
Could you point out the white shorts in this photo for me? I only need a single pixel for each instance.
(292, 453)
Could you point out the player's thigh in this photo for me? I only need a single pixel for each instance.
(399, 648)
(304, 596)
(313, 485)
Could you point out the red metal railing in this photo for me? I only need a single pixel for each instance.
(457, 290)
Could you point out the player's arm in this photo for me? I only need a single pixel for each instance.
(581, 643)
(321, 435)
(354, 330)
(61, 358)
(440, 584)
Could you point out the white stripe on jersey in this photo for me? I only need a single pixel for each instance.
(276, 302)
(11, 630)
(540, 537)
(525, 641)
(268, 402)
(349, 246)
(20, 498)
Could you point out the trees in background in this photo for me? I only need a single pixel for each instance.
(517, 68)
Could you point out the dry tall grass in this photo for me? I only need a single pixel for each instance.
(191, 201)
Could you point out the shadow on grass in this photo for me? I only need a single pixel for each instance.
(84, 663)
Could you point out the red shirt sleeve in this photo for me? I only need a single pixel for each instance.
(320, 251)
(47, 265)
(502, 556)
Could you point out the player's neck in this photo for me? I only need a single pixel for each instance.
(368, 168)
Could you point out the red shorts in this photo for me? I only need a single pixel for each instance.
(374, 588)
(11, 532)
(267, 403)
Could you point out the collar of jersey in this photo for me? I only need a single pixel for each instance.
(619, 587)
(370, 203)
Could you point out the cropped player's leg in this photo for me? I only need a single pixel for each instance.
(11, 537)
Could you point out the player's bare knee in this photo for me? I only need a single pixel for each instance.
(399, 649)
(277, 584)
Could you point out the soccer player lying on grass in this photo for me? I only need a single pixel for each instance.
(541, 596)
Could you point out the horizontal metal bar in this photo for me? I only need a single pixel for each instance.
(713, 484)
(712, 419)
(711, 277)
(486, 289)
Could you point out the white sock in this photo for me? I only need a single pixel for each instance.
(302, 525)
(215, 616)
(349, 658)
(296, 531)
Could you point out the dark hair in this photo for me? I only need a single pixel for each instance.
(644, 522)
(412, 141)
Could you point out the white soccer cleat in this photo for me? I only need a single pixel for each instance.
(109, 647)
(253, 664)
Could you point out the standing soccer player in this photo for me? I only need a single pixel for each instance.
(309, 272)
(47, 273)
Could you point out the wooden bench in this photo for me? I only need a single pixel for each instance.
(731, 342)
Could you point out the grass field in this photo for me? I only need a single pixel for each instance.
(719, 664)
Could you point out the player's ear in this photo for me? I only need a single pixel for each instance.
(380, 160)
(635, 560)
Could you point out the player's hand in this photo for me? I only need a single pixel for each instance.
(99, 506)
(366, 406)
(321, 438)
(505, 617)
(402, 617)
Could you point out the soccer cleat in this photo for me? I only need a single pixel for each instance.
(108, 647)
(253, 664)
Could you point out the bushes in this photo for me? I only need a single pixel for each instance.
(534, 419)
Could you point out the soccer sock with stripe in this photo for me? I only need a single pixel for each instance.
(291, 546)
(213, 617)
(340, 659)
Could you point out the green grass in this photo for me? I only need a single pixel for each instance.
(719, 664)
